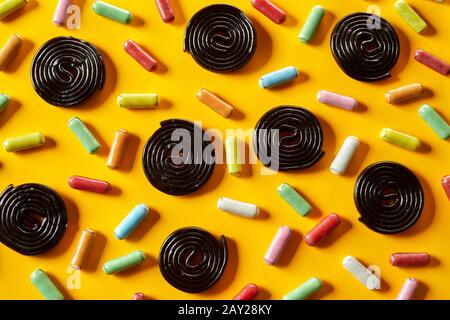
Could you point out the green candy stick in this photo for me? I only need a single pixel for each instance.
(311, 24)
(294, 199)
(435, 121)
(112, 12)
(83, 134)
(124, 262)
(45, 286)
(305, 290)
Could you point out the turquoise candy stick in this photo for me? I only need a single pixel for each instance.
(4, 101)
(45, 286)
(305, 290)
(294, 199)
(279, 77)
(435, 121)
(112, 12)
(83, 134)
(311, 24)
(410, 16)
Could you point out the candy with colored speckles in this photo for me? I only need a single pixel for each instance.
(131, 221)
(88, 184)
(118, 148)
(279, 77)
(408, 289)
(344, 156)
(124, 262)
(45, 286)
(410, 16)
(446, 185)
(4, 102)
(312, 24)
(238, 208)
(432, 62)
(400, 139)
(270, 10)
(336, 100)
(322, 229)
(25, 142)
(278, 245)
(404, 93)
(249, 292)
(84, 135)
(305, 290)
(9, 6)
(165, 10)
(112, 12)
(360, 272)
(60, 15)
(294, 199)
(84, 246)
(409, 259)
(9, 50)
(435, 121)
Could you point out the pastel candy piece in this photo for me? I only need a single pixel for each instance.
(408, 289)
(83, 134)
(45, 286)
(25, 142)
(138, 100)
(88, 184)
(404, 93)
(239, 208)
(322, 229)
(270, 10)
(9, 6)
(4, 101)
(234, 166)
(60, 16)
(278, 245)
(9, 50)
(410, 16)
(140, 55)
(360, 272)
(215, 103)
(446, 185)
(344, 156)
(118, 148)
(337, 100)
(408, 259)
(400, 139)
(249, 292)
(279, 77)
(294, 199)
(311, 24)
(131, 221)
(83, 249)
(165, 10)
(432, 62)
(305, 290)
(123, 263)
(435, 121)
(112, 12)
(139, 296)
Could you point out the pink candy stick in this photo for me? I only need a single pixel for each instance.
(270, 10)
(165, 10)
(61, 12)
(336, 100)
(432, 62)
(446, 185)
(408, 289)
(140, 55)
(278, 245)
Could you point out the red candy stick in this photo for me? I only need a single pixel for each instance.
(139, 296)
(323, 228)
(139, 54)
(432, 62)
(82, 183)
(446, 185)
(165, 10)
(270, 10)
(248, 293)
(409, 259)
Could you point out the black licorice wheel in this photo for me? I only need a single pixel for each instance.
(192, 260)
(366, 47)
(389, 197)
(67, 71)
(177, 160)
(220, 38)
(33, 218)
(288, 138)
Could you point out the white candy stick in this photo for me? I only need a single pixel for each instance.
(238, 208)
(360, 272)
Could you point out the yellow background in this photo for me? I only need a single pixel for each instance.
(177, 82)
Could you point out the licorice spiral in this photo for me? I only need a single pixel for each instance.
(192, 260)
(389, 197)
(290, 137)
(33, 218)
(365, 46)
(220, 38)
(175, 173)
(67, 71)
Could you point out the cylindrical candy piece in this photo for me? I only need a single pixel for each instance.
(139, 296)
(88, 184)
(232, 149)
(249, 292)
(215, 103)
(279, 77)
(140, 55)
(118, 148)
(60, 16)
(408, 289)
(336, 100)
(165, 10)
(270, 10)
(125, 262)
(45, 286)
(4, 101)
(322, 229)
(138, 100)
(410, 16)
(360, 272)
(435, 121)
(446, 185)
(25, 142)
(400, 139)
(305, 290)
(311, 24)
(131, 221)
(432, 62)
(238, 208)
(344, 156)
(83, 248)
(112, 12)
(9, 50)
(278, 245)
(404, 93)
(410, 259)
(294, 199)
(84, 135)
(9, 6)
